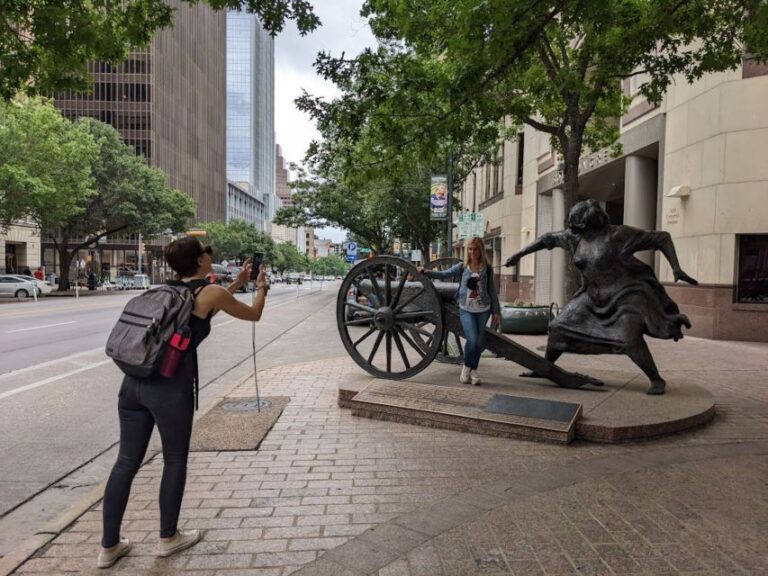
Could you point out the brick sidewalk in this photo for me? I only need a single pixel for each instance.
(449, 503)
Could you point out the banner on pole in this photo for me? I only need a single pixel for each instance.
(438, 198)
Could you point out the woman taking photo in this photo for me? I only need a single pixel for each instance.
(477, 300)
(169, 404)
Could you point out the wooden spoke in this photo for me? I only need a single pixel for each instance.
(399, 292)
(413, 297)
(357, 322)
(387, 288)
(358, 306)
(375, 347)
(363, 337)
(388, 346)
(419, 349)
(399, 344)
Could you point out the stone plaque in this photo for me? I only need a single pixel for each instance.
(532, 408)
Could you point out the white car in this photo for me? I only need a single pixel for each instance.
(44, 286)
(16, 287)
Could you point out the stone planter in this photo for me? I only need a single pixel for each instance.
(525, 319)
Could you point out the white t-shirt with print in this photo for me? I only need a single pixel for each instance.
(472, 303)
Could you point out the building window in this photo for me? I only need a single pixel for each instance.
(753, 269)
(520, 152)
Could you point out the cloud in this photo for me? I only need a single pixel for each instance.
(343, 30)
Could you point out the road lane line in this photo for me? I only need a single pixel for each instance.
(51, 362)
(52, 379)
(41, 327)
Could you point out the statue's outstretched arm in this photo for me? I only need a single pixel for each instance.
(545, 241)
(661, 241)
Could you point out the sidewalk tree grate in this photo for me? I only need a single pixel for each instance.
(245, 405)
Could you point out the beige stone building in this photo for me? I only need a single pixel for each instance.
(694, 166)
(20, 248)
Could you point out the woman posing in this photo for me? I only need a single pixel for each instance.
(169, 404)
(477, 300)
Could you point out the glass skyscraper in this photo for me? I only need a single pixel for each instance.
(251, 112)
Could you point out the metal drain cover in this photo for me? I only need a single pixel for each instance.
(245, 405)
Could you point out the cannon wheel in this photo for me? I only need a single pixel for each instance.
(444, 264)
(411, 337)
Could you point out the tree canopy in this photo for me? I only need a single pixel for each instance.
(455, 78)
(45, 164)
(45, 45)
(79, 181)
(237, 240)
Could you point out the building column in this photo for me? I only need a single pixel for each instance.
(640, 197)
(559, 257)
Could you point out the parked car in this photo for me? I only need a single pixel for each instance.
(44, 286)
(15, 287)
(293, 278)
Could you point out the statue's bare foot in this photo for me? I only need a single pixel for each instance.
(657, 387)
(530, 374)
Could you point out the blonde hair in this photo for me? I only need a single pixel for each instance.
(483, 255)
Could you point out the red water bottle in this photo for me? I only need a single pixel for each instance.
(177, 345)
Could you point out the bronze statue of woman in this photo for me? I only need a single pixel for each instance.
(620, 299)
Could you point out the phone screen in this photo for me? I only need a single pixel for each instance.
(256, 262)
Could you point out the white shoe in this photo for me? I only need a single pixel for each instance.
(464, 378)
(108, 556)
(474, 377)
(182, 540)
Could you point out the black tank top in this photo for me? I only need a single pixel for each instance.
(199, 329)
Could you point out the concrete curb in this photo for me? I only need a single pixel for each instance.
(24, 551)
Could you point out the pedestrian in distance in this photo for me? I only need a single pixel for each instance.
(477, 301)
(169, 404)
(39, 274)
(27, 271)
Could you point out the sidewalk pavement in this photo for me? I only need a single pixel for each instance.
(331, 494)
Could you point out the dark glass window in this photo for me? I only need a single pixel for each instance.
(520, 152)
(753, 269)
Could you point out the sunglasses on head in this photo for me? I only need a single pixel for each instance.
(207, 250)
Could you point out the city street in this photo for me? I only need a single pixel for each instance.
(58, 391)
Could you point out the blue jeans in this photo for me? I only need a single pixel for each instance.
(473, 324)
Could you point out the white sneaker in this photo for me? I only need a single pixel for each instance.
(108, 557)
(464, 378)
(182, 540)
(474, 377)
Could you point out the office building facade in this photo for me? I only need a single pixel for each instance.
(250, 110)
(168, 103)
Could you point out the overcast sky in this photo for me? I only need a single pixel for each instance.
(342, 30)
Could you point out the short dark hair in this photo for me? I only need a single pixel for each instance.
(587, 214)
(182, 255)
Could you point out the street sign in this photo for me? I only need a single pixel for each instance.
(415, 255)
(351, 257)
(471, 224)
(351, 251)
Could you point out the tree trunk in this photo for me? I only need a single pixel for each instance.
(65, 259)
(572, 154)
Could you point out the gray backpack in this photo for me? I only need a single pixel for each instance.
(138, 341)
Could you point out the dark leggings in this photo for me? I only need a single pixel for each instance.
(141, 405)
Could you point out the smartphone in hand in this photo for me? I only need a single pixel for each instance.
(256, 262)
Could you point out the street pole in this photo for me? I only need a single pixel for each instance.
(139, 251)
(449, 234)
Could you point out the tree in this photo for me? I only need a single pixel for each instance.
(448, 74)
(130, 197)
(45, 164)
(288, 258)
(45, 45)
(237, 240)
